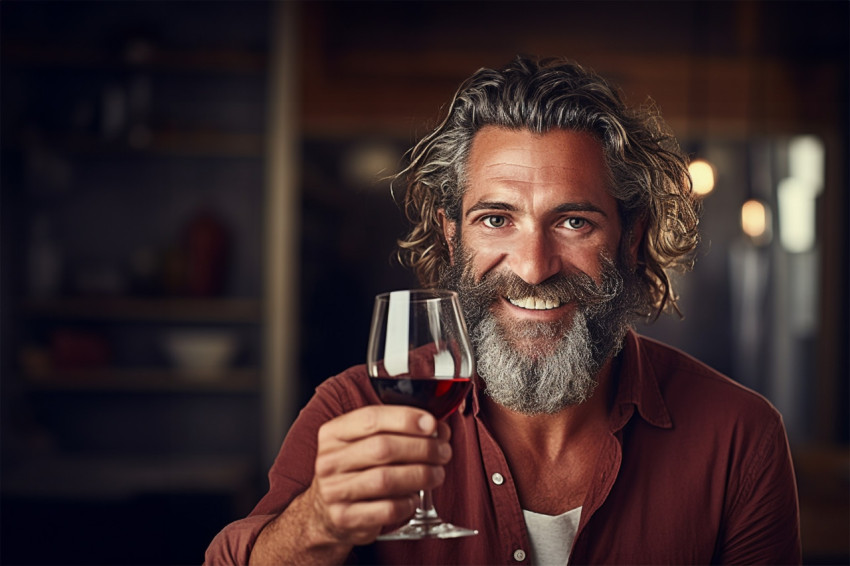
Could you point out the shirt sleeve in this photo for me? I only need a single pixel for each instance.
(762, 524)
(289, 476)
(233, 544)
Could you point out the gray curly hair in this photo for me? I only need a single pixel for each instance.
(648, 171)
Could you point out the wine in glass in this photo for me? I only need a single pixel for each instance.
(419, 355)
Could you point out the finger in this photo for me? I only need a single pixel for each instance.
(383, 449)
(372, 419)
(379, 483)
(444, 431)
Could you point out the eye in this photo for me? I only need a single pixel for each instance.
(575, 223)
(494, 221)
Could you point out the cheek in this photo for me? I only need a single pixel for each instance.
(587, 256)
(592, 262)
(482, 257)
(592, 267)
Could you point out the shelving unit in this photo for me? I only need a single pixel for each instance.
(117, 138)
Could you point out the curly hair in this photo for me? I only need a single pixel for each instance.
(648, 171)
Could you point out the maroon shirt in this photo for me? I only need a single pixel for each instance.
(696, 470)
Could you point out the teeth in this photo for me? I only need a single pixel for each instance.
(532, 303)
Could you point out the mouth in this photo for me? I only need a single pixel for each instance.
(534, 303)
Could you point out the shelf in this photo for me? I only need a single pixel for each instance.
(237, 311)
(105, 477)
(146, 380)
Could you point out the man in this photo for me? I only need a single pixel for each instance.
(555, 212)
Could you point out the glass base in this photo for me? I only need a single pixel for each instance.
(430, 528)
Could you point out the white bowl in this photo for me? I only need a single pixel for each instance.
(202, 353)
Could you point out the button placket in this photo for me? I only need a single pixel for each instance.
(519, 554)
(512, 535)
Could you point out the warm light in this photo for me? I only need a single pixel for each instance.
(702, 176)
(367, 164)
(754, 220)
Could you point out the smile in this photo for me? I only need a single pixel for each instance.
(532, 303)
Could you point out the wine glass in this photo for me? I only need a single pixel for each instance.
(419, 355)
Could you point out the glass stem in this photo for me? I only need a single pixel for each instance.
(426, 512)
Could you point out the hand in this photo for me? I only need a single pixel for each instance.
(371, 464)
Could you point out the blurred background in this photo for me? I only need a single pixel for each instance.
(195, 221)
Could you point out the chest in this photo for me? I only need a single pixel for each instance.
(553, 486)
(632, 512)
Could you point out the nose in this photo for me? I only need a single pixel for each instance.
(535, 258)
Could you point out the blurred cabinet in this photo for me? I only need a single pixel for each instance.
(132, 237)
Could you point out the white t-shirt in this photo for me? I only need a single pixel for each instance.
(551, 536)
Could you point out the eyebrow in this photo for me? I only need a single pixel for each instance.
(580, 207)
(565, 207)
(490, 205)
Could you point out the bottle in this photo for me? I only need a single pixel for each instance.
(207, 244)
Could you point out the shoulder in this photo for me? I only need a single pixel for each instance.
(335, 396)
(728, 438)
(690, 387)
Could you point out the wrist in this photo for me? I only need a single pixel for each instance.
(298, 536)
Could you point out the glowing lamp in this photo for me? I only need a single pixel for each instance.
(702, 176)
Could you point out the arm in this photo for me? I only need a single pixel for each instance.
(763, 521)
(361, 471)
(370, 464)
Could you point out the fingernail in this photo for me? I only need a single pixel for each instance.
(426, 423)
(445, 452)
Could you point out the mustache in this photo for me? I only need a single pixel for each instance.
(562, 288)
(578, 287)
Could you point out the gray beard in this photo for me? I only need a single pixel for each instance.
(541, 384)
(560, 370)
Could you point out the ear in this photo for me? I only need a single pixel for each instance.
(449, 232)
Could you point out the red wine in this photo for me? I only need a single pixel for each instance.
(440, 397)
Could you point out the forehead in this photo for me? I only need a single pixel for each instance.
(558, 159)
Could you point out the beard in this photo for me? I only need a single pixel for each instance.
(543, 367)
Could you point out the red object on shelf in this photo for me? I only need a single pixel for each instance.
(206, 255)
(75, 349)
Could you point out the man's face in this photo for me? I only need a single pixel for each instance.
(535, 266)
(536, 206)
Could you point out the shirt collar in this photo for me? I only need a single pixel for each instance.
(635, 382)
(637, 386)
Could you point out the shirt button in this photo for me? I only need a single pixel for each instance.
(498, 478)
(519, 555)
